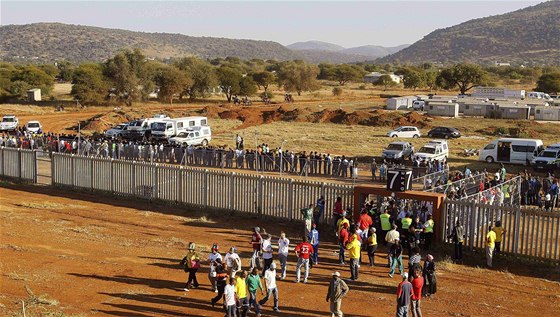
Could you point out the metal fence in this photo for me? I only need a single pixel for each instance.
(263, 195)
(529, 232)
(430, 180)
(507, 192)
(18, 163)
(469, 184)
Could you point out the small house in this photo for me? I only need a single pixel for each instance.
(479, 109)
(400, 103)
(373, 77)
(34, 95)
(443, 109)
(514, 112)
(543, 113)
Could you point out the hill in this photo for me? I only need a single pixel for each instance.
(530, 36)
(315, 45)
(374, 50)
(78, 43)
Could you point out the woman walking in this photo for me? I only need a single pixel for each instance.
(191, 264)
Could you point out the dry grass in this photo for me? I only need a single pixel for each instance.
(45, 205)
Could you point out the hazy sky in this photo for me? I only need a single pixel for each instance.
(349, 24)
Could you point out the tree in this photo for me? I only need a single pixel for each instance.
(326, 71)
(171, 81)
(264, 79)
(229, 79)
(345, 73)
(385, 81)
(89, 86)
(298, 76)
(18, 88)
(34, 77)
(430, 79)
(413, 78)
(65, 70)
(130, 75)
(462, 76)
(247, 86)
(549, 83)
(202, 74)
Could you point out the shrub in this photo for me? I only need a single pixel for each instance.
(362, 87)
(337, 91)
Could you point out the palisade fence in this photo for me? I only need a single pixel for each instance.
(18, 163)
(262, 195)
(529, 232)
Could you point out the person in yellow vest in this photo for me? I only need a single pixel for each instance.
(428, 232)
(354, 250)
(406, 222)
(500, 231)
(490, 244)
(405, 225)
(340, 223)
(385, 220)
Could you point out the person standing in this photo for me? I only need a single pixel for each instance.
(191, 264)
(385, 220)
(338, 211)
(391, 236)
(428, 232)
(254, 284)
(307, 214)
(212, 263)
(404, 293)
(304, 250)
(221, 281)
(283, 247)
(337, 290)
(417, 284)
(230, 298)
(458, 236)
(395, 257)
(256, 241)
(266, 252)
(232, 262)
(241, 292)
(343, 236)
(314, 240)
(429, 273)
(271, 288)
(354, 248)
(373, 169)
(320, 209)
(371, 246)
(490, 244)
(500, 231)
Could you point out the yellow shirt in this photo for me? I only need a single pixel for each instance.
(341, 223)
(490, 239)
(499, 233)
(385, 223)
(372, 239)
(240, 287)
(354, 247)
(430, 226)
(406, 222)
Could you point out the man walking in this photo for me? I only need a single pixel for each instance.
(270, 282)
(230, 298)
(354, 250)
(213, 257)
(232, 262)
(307, 214)
(417, 284)
(267, 252)
(490, 244)
(337, 290)
(314, 239)
(303, 251)
(404, 293)
(256, 241)
(254, 284)
(283, 246)
(241, 292)
(458, 236)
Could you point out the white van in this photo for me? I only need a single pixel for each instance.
(433, 150)
(168, 128)
(193, 136)
(539, 95)
(548, 158)
(510, 150)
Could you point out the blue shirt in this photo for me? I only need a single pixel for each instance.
(314, 237)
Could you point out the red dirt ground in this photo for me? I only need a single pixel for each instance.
(107, 256)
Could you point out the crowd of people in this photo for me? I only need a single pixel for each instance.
(401, 224)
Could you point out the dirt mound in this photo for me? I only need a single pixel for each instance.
(415, 119)
(105, 121)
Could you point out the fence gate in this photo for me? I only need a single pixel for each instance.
(18, 163)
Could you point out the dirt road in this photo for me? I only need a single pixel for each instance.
(81, 253)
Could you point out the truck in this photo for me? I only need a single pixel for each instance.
(432, 151)
(9, 123)
(168, 128)
(548, 158)
(398, 152)
(193, 136)
(142, 128)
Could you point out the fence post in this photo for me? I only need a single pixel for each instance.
(442, 226)
(206, 189)
(53, 170)
(91, 174)
(291, 200)
(232, 191)
(19, 164)
(36, 166)
(178, 185)
(133, 178)
(472, 225)
(155, 194)
(72, 168)
(112, 176)
(517, 221)
(260, 191)
(2, 162)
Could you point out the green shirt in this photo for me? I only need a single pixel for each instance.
(254, 283)
(385, 223)
(406, 222)
(307, 213)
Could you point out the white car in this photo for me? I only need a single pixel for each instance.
(33, 127)
(433, 150)
(116, 131)
(9, 123)
(193, 136)
(404, 132)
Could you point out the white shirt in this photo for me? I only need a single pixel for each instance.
(230, 257)
(267, 249)
(229, 292)
(213, 257)
(270, 279)
(283, 245)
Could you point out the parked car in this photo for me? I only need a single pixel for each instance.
(398, 151)
(9, 123)
(547, 159)
(33, 127)
(404, 132)
(444, 132)
(433, 150)
(117, 131)
(418, 105)
(193, 136)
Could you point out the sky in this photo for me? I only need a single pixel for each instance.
(347, 23)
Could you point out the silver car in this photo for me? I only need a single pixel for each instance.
(117, 131)
(398, 151)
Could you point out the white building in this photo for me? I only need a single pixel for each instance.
(497, 93)
(34, 94)
(373, 77)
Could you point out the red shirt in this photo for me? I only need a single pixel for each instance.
(304, 250)
(338, 208)
(417, 284)
(343, 236)
(256, 240)
(365, 221)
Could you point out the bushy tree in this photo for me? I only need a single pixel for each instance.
(385, 81)
(298, 76)
(462, 76)
(130, 75)
(247, 86)
(264, 79)
(344, 73)
(89, 85)
(549, 83)
(326, 71)
(34, 77)
(229, 80)
(202, 74)
(171, 81)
